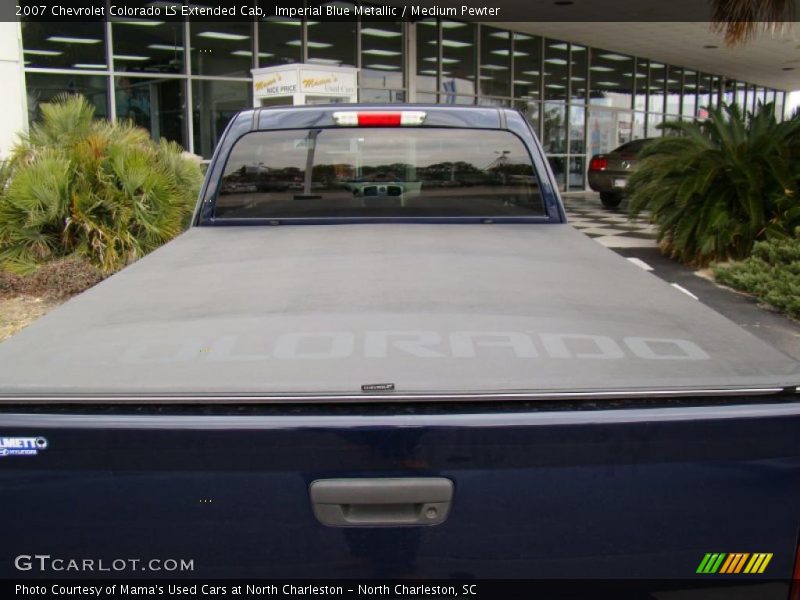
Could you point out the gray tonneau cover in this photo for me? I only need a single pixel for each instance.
(429, 308)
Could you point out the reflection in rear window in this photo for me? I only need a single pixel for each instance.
(378, 172)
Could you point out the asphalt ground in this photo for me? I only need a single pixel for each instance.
(781, 332)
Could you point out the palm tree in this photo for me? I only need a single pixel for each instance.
(741, 19)
(104, 190)
(718, 185)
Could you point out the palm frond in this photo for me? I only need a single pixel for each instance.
(720, 184)
(741, 20)
(85, 185)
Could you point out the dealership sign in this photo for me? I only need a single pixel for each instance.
(275, 84)
(341, 84)
(295, 82)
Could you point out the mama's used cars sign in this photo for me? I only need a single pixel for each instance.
(340, 84)
(276, 84)
(298, 80)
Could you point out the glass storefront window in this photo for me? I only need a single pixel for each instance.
(332, 42)
(458, 58)
(674, 79)
(577, 124)
(43, 87)
(146, 46)
(556, 70)
(611, 79)
(624, 127)
(451, 99)
(279, 39)
(64, 45)
(671, 119)
(715, 91)
(222, 48)
(495, 65)
(640, 85)
(689, 93)
(740, 92)
(158, 105)
(382, 55)
(559, 166)
(769, 96)
(761, 96)
(728, 91)
(386, 96)
(779, 105)
(457, 63)
(427, 60)
(578, 78)
(531, 112)
(485, 101)
(638, 125)
(214, 103)
(658, 74)
(527, 66)
(608, 129)
(653, 121)
(705, 86)
(576, 173)
(554, 138)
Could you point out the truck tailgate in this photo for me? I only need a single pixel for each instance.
(642, 492)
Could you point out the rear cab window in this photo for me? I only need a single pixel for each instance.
(379, 172)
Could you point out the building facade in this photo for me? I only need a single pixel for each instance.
(184, 80)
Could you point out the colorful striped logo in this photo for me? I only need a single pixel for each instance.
(734, 563)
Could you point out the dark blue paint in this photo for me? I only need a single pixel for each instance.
(641, 499)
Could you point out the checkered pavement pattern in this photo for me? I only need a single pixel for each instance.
(610, 227)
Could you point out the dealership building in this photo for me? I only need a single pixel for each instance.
(586, 87)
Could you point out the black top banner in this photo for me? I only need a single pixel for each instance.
(380, 10)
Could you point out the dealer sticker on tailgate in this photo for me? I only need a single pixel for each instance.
(22, 446)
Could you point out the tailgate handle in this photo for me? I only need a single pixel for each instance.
(388, 502)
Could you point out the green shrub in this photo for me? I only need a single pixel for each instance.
(102, 190)
(717, 186)
(772, 274)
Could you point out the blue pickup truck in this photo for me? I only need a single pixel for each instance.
(381, 352)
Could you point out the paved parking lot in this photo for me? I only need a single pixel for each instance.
(636, 241)
(610, 227)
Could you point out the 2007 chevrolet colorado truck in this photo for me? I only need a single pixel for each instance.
(380, 351)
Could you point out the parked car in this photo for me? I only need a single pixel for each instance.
(457, 386)
(609, 173)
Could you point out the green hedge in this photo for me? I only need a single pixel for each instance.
(771, 273)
